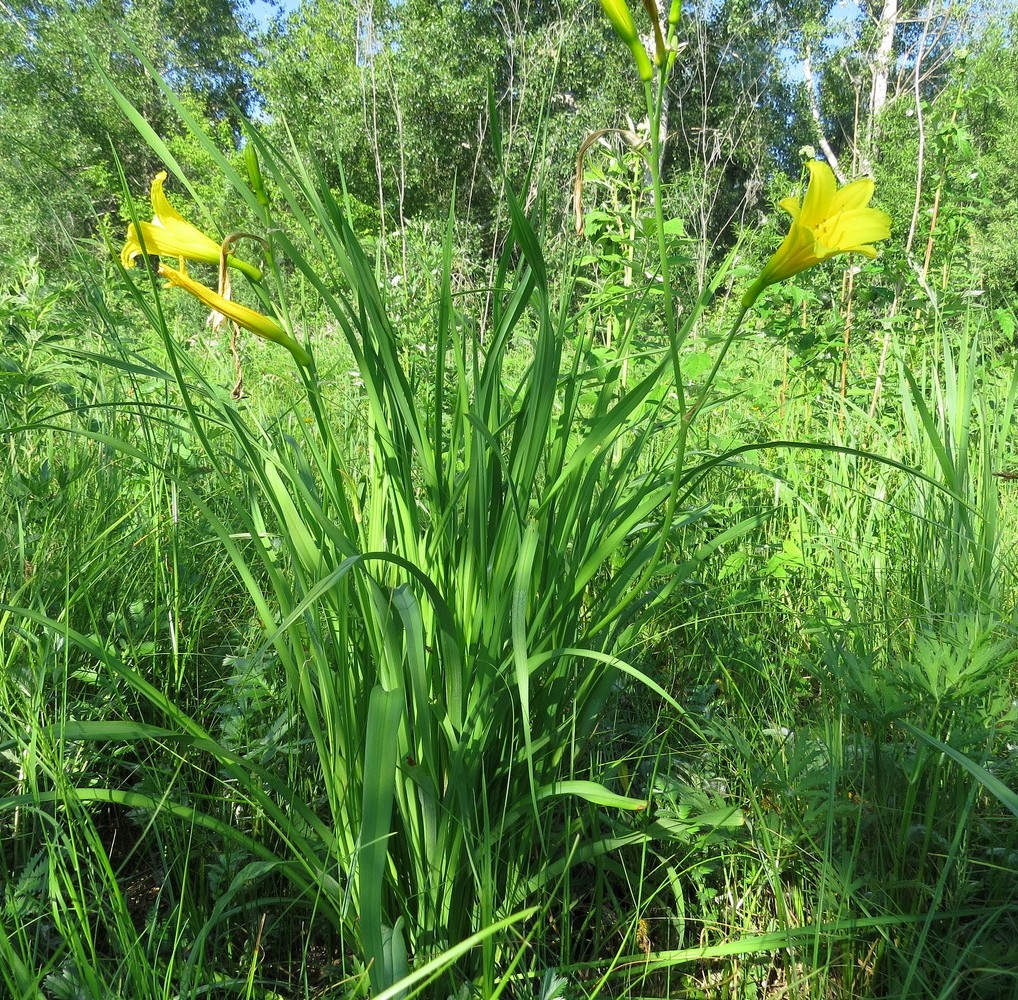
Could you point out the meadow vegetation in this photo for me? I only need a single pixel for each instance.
(556, 586)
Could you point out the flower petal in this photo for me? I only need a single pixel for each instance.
(164, 212)
(816, 203)
(847, 230)
(132, 248)
(791, 206)
(856, 194)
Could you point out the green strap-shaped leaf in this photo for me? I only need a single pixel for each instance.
(1006, 796)
(521, 592)
(385, 712)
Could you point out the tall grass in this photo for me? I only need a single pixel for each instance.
(910, 602)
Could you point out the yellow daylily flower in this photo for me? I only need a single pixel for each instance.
(249, 319)
(625, 27)
(827, 222)
(170, 235)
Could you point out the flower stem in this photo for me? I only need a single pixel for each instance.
(242, 265)
(655, 103)
(679, 460)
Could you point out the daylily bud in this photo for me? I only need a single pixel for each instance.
(254, 174)
(258, 323)
(655, 19)
(622, 21)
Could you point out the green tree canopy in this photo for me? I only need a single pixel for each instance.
(60, 129)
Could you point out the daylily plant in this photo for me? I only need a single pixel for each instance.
(170, 235)
(827, 222)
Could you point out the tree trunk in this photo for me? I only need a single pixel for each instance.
(882, 57)
(815, 111)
